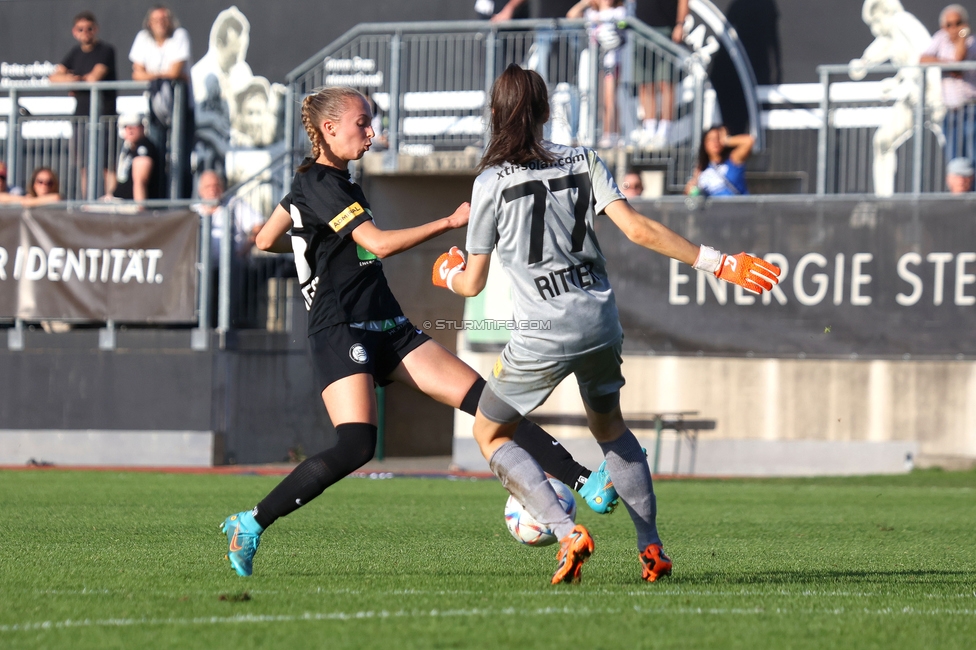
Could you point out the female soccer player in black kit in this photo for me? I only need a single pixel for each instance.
(357, 333)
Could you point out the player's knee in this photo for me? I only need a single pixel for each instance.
(357, 443)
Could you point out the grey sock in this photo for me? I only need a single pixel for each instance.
(526, 481)
(630, 475)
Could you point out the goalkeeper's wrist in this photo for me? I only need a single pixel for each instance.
(708, 260)
(449, 280)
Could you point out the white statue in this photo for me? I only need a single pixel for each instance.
(230, 36)
(899, 38)
(235, 109)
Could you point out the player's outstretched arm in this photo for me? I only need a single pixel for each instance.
(273, 236)
(465, 278)
(651, 234)
(383, 243)
(745, 270)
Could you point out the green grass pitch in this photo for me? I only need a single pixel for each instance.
(100, 559)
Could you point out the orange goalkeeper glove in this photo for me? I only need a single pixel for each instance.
(745, 270)
(447, 266)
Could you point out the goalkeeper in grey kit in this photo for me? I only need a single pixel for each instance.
(535, 204)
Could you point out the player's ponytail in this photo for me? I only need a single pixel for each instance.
(324, 104)
(519, 109)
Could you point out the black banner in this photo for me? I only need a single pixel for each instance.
(97, 267)
(861, 277)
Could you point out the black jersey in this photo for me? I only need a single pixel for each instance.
(79, 62)
(341, 281)
(657, 13)
(123, 173)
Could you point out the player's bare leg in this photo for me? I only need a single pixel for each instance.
(351, 404)
(435, 371)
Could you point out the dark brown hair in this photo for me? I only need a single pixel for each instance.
(703, 160)
(86, 16)
(519, 107)
(55, 186)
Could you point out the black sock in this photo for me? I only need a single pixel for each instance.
(470, 402)
(545, 449)
(551, 455)
(356, 445)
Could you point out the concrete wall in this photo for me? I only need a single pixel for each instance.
(868, 415)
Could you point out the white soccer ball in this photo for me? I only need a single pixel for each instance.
(524, 526)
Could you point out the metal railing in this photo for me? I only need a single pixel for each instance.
(70, 144)
(430, 84)
(256, 290)
(882, 136)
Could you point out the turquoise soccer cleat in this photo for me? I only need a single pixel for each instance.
(598, 491)
(243, 538)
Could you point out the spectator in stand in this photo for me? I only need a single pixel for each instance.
(488, 9)
(721, 168)
(654, 74)
(138, 173)
(44, 188)
(959, 176)
(5, 190)
(246, 221)
(90, 60)
(603, 19)
(161, 55)
(161, 50)
(633, 186)
(954, 42)
(546, 47)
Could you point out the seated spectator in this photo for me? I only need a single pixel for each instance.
(246, 222)
(721, 167)
(6, 190)
(90, 60)
(959, 175)
(139, 170)
(44, 188)
(633, 186)
(603, 18)
(954, 42)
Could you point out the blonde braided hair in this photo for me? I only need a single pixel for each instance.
(324, 104)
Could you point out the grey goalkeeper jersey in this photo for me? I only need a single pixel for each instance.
(539, 217)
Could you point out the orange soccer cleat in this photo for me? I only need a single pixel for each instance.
(574, 550)
(655, 563)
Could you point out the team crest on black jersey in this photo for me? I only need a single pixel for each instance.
(358, 354)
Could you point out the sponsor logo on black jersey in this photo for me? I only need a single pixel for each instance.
(344, 217)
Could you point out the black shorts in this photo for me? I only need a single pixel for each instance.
(340, 351)
(652, 67)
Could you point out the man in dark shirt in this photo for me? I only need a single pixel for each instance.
(139, 170)
(90, 60)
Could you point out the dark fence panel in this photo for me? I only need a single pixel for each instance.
(862, 276)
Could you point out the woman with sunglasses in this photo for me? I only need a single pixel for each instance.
(43, 189)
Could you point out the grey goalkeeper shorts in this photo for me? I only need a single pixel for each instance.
(519, 383)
